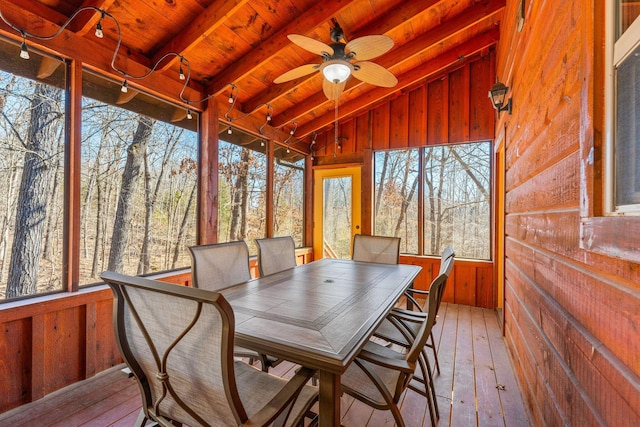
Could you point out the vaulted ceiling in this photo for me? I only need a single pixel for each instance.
(244, 43)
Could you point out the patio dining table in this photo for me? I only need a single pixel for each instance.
(318, 315)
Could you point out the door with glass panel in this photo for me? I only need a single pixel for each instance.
(336, 211)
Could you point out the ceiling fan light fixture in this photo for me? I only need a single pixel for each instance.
(336, 72)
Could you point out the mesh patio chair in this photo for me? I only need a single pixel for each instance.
(380, 375)
(220, 265)
(178, 343)
(402, 327)
(446, 254)
(276, 254)
(380, 249)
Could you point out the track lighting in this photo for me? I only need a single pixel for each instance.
(124, 88)
(189, 115)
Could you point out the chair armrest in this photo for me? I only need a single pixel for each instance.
(409, 294)
(281, 401)
(386, 362)
(408, 315)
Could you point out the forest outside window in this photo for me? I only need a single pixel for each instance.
(138, 183)
(32, 138)
(456, 198)
(288, 194)
(241, 187)
(623, 148)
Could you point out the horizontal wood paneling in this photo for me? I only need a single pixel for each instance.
(470, 282)
(572, 284)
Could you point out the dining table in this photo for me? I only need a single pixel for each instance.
(318, 315)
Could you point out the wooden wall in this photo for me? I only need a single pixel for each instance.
(451, 107)
(52, 341)
(572, 309)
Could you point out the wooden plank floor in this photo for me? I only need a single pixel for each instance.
(476, 386)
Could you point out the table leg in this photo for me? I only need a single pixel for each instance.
(330, 389)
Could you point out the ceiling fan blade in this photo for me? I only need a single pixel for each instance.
(369, 47)
(312, 45)
(372, 73)
(333, 90)
(297, 72)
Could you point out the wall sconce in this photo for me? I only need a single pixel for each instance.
(497, 94)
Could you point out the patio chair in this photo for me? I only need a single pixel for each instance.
(446, 254)
(276, 254)
(380, 249)
(380, 375)
(402, 327)
(220, 265)
(178, 343)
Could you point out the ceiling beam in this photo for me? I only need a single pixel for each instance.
(303, 24)
(85, 22)
(398, 17)
(204, 25)
(430, 68)
(95, 54)
(448, 29)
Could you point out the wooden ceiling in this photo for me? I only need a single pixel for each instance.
(244, 43)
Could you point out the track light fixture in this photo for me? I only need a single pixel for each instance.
(125, 87)
(24, 52)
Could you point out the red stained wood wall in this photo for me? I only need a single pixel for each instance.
(572, 275)
(451, 107)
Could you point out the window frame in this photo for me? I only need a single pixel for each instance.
(615, 52)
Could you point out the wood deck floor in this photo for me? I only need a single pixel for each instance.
(476, 386)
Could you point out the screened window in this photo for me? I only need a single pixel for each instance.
(623, 164)
(288, 194)
(396, 196)
(456, 198)
(138, 186)
(241, 188)
(32, 138)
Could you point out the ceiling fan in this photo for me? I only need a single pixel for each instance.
(340, 60)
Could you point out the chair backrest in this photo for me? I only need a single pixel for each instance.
(380, 249)
(219, 265)
(446, 254)
(276, 254)
(178, 342)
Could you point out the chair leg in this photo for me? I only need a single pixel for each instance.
(430, 393)
(142, 419)
(435, 354)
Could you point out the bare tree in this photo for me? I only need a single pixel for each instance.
(130, 176)
(41, 147)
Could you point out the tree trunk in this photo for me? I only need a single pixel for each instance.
(44, 128)
(130, 177)
(183, 226)
(383, 174)
(239, 203)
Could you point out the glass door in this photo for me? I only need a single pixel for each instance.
(336, 211)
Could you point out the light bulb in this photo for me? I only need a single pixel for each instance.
(268, 117)
(231, 98)
(189, 116)
(288, 151)
(24, 52)
(262, 143)
(182, 76)
(336, 72)
(124, 88)
(99, 33)
(229, 131)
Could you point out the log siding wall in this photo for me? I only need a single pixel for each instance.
(571, 314)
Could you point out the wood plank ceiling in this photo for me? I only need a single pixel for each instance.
(244, 43)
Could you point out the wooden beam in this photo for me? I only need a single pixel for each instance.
(95, 54)
(473, 16)
(387, 23)
(204, 25)
(441, 62)
(303, 24)
(125, 97)
(86, 21)
(48, 66)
